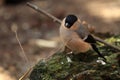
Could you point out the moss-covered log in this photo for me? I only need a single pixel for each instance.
(84, 66)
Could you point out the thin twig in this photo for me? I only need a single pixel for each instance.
(14, 29)
(44, 12)
(26, 74)
(112, 46)
(86, 72)
(59, 21)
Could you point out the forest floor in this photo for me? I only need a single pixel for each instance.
(34, 28)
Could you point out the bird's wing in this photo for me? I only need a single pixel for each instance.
(90, 39)
(84, 34)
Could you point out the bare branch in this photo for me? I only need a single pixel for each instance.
(59, 21)
(110, 45)
(44, 12)
(26, 74)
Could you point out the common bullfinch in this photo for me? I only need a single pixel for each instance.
(76, 36)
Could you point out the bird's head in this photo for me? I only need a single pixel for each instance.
(70, 20)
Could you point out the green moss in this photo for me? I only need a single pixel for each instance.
(58, 67)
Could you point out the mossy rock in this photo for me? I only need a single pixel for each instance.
(84, 66)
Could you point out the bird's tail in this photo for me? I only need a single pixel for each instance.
(96, 50)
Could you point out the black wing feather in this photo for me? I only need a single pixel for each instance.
(92, 41)
(96, 50)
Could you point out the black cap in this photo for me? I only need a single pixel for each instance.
(70, 20)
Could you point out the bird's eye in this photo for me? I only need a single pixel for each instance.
(67, 25)
(70, 20)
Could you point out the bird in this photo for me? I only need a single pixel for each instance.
(76, 37)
